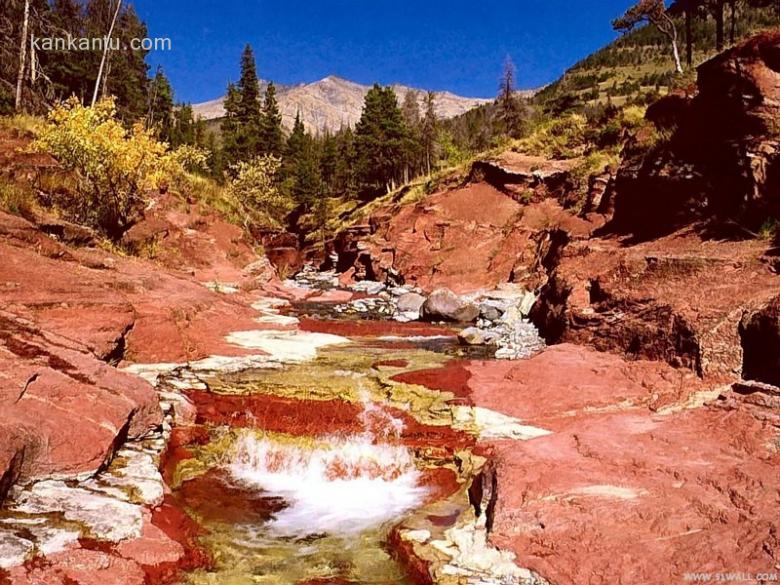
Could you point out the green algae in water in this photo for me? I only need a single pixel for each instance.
(248, 556)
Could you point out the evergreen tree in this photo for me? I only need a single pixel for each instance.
(429, 130)
(344, 176)
(410, 110)
(250, 114)
(380, 142)
(215, 160)
(68, 69)
(249, 90)
(509, 109)
(307, 186)
(161, 106)
(126, 71)
(242, 123)
(271, 135)
(294, 147)
(187, 130)
(329, 161)
(655, 12)
(230, 127)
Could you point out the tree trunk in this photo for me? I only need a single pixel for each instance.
(689, 36)
(22, 56)
(106, 47)
(667, 26)
(677, 63)
(719, 25)
(733, 21)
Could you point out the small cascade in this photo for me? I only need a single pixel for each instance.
(339, 486)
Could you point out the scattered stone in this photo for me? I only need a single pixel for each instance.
(489, 311)
(312, 279)
(368, 286)
(477, 336)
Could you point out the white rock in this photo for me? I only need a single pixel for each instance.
(105, 517)
(222, 288)
(14, 550)
(368, 286)
(286, 346)
(490, 424)
(416, 535)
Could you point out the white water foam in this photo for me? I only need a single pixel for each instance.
(343, 486)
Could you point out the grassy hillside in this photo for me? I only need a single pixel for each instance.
(638, 67)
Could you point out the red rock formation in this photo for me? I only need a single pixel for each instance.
(678, 299)
(721, 164)
(629, 486)
(67, 314)
(64, 412)
(466, 239)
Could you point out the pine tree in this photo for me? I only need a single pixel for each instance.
(655, 12)
(249, 89)
(307, 186)
(126, 70)
(67, 70)
(429, 130)
(250, 114)
(160, 112)
(344, 176)
(329, 161)
(294, 147)
(186, 130)
(509, 110)
(230, 127)
(410, 110)
(271, 136)
(380, 142)
(243, 115)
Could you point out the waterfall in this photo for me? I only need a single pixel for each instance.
(340, 486)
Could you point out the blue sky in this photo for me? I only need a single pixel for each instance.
(454, 45)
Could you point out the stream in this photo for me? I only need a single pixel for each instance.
(303, 474)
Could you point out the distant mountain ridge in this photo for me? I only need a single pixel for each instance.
(333, 102)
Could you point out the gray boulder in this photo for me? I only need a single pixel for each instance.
(445, 305)
(410, 303)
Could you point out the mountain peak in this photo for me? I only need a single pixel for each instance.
(332, 102)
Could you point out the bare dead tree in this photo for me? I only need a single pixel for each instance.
(106, 47)
(654, 12)
(22, 56)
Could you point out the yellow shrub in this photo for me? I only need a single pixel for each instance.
(254, 186)
(114, 166)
